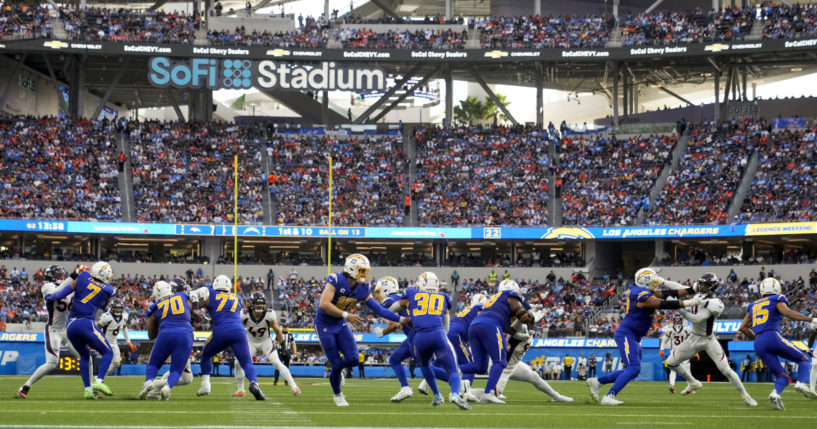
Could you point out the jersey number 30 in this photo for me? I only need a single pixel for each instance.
(429, 304)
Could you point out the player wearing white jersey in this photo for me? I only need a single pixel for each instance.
(55, 334)
(702, 338)
(259, 321)
(671, 339)
(813, 374)
(518, 344)
(111, 323)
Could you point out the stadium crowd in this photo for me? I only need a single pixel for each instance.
(606, 181)
(184, 172)
(418, 39)
(312, 34)
(21, 21)
(58, 169)
(539, 32)
(664, 28)
(789, 21)
(127, 25)
(479, 176)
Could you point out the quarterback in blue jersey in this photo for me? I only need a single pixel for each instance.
(91, 290)
(762, 323)
(224, 308)
(170, 314)
(642, 301)
(428, 309)
(340, 295)
(487, 336)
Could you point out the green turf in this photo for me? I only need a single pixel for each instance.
(56, 401)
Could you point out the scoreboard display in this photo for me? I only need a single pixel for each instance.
(69, 364)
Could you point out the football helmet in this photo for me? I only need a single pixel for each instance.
(478, 299)
(708, 283)
(54, 273)
(385, 286)
(428, 282)
(357, 267)
(161, 290)
(647, 278)
(677, 320)
(179, 285)
(102, 271)
(222, 283)
(259, 301)
(117, 307)
(770, 286)
(509, 284)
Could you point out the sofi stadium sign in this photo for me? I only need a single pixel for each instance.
(268, 74)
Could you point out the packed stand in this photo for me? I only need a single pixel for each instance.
(126, 25)
(784, 188)
(606, 181)
(58, 169)
(312, 34)
(784, 21)
(536, 32)
(700, 189)
(20, 21)
(369, 180)
(184, 172)
(480, 176)
(694, 26)
(418, 39)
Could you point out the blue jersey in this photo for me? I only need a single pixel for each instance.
(409, 331)
(89, 296)
(345, 297)
(765, 317)
(172, 312)
(225, 310)
(638, 320)
(463, 320)
(496, 310)
(426, 309)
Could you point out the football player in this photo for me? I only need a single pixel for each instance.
(91, 290)
(458, 335)
(813, 375)
(170, 315)
(111, 323)
(671, 339)
(487, 335)
(225, 309)
(642, 301)
(259, 321)
(55, 335)
(341, 293)
(428, 309)
(702, 317)
(762, 324)
(177, 285)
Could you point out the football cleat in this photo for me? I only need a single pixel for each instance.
(749, 401)
(777, 401)
(594, 386)
(423, 387)
(155, 394)
(438, 399)
(490, 398)
(671, 388)
(165, 393)
(403, 394)
(100, 387)
(692, 386)
(89, 394)
(805, 390)
(340, 401)
(459, 402)
(610, 400)
(561, 398)
(256, 391)
(238, 394)
(502, 396)
(204, 390)
(146, 390)
(23, 392)
(296, 391)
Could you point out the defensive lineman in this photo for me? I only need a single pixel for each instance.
(259, 322)
(111, 323)
(702, 317)
(671, 339)
(55, 335)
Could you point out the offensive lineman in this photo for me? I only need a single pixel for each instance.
(702, 317)
(177, 285)
(671, 339)
(55, 335)
(259, 321)
(111, 323)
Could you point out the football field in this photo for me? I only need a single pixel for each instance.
(56, 402)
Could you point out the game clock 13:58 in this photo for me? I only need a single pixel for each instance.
(69, 364)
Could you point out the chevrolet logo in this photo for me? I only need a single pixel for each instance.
(55, 44)
(278, 52)
(496, 54)
(717, 47)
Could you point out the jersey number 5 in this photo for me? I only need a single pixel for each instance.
(174, 303)
(429, 304)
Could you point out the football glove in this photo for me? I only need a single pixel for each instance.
(661, 353)
(132, 347)
(378, 331)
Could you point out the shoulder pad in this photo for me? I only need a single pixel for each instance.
(270, 315)
(714, 305)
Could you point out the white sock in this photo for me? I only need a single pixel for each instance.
(205, 379)
(672, 375)
(276, 361)
(683, 371)
(41, 371)
(734, 379)
(239, 376)
(813, 374)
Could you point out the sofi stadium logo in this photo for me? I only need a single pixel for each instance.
(243, 74)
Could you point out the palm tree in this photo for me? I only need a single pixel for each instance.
(469, 110)
(492, 111)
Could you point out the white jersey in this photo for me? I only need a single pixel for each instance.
(674, 336)
(703, 316)
(258, 329)
(111, 327)
(57, 310)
